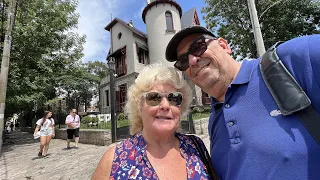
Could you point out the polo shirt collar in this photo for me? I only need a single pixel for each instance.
(244, 76)
(245, 72)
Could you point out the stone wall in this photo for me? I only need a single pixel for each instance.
(88, 136)
(201, 126)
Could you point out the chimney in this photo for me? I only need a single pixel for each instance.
(130, 23)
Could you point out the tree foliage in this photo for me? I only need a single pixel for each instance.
(44, 48)
(280, 20)
(45, 63)
(80, 84)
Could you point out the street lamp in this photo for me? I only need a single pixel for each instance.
(191, 124)
(111, 65)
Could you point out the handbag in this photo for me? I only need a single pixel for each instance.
(205, 158)
(37, 135)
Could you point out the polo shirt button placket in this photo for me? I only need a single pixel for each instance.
(230, 123)
(227, 105)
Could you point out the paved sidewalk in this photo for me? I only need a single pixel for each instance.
(19, 159)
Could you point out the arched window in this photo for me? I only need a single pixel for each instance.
(169, 21)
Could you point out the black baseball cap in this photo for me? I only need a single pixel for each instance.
(171, 51)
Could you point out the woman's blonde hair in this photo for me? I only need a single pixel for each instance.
(149, 77)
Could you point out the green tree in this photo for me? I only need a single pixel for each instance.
(280, 20)
(100, 69)
(44, 49)
(81, 83)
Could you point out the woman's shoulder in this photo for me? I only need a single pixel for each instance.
(103, 169)
(109, 153)
(131, 142)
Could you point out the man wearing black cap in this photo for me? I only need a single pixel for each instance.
(251, 137)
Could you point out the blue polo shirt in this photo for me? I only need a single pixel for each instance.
(250, 138)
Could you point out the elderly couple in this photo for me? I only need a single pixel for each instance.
(247, 141)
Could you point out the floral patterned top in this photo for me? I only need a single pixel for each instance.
(130, 159)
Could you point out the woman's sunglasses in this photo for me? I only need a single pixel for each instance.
(196, 48)
(155, 98)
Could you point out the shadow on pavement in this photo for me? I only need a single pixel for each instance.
(17, 138)
(40, 157)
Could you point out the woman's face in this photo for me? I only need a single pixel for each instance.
(161, 118)
(49, 114)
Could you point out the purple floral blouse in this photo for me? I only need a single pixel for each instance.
(130, 159)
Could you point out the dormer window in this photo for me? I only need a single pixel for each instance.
(143, 54)
(169, 21)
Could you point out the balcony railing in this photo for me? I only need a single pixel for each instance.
(121, 70)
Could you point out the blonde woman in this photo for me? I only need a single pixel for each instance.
(156, 103)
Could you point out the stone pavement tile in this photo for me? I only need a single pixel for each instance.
(19, 160)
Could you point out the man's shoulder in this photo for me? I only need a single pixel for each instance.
(301, 54)
(299, 45)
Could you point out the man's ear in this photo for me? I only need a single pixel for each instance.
(224, 44)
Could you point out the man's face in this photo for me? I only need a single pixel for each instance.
(207, 69)
(73, 112)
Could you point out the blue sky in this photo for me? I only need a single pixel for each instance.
(96, 14)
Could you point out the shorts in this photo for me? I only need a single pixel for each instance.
(46, 132)
(72, 132)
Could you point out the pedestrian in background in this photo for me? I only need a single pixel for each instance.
(46, 127)
(11, 126)
(73, 127)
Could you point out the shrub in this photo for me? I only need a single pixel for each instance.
(88, 119)
(121, 117)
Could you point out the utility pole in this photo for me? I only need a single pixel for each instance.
(5, 64)
(256, 28)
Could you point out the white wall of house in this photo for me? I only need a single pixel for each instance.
(138, 66)
(126, 37)
(127, 40)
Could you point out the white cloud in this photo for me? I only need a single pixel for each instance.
(94, 16)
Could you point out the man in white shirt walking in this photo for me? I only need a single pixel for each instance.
(73, 126)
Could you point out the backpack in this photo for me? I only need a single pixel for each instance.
(287, 93)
